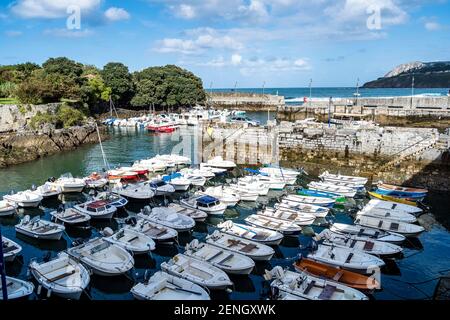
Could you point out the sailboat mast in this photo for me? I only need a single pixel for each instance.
(101, 148)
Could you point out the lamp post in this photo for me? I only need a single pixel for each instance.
(329, 111)
(2, 269)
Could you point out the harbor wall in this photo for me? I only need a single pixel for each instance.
(244, 101)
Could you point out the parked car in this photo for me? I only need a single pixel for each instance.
(244, 119)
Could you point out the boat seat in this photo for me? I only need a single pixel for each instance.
(354, 242)
(249, 247)
(70, 271)
(132, 239)
(214, 256)
(368, 246)
(327, 292)
(310, 286)
(380, 223)
(394, 206)
(260, 236)
(349, 258)
(394, 226)
(100, 247)
(338, 275)
(230, 256)
(73, 217)
(9, 249)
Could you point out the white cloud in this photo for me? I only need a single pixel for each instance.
(236, 59)
(116, 14)
(51, 9)
(186, 11)
(13, 33)
(198, 41)
(432, 26)
(66, 33)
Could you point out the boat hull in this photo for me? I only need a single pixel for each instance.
(53, 236)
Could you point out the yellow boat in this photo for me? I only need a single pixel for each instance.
(392, 199)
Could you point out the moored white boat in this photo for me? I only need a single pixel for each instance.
(39, 229)
(252, 233)
(10, 249)
(70, 216)
(338, 177)
(163, 286)
(301, 219)
(155, 231)
(102, 257)
(387, 215)
(321, 186)
(97, 209)
(280, 172)
(24, 199)
(287, 228)
(350, 259)
(207, 174)
(378, 248)
(317, 211)
(177, 181)
(208, 204)
(7, 208)
(256, 251)
(260, 188)
(62, 276)
(309, 287)
(161, 188)
(17, 288)
(174, 158)
(167, 217)
(230, 262)
(195, 214)
(367, 232)
(216, 171)
(112, 199)
(199, 272)
(393, 206)
(318, 201)
(135, 192)
(95, 180)
(406, 229)
(131, 240)
(69, 184)
(244, 194)
(195, 180)
(48, 190)
(229, 199)
(273, 183)
(219, 162)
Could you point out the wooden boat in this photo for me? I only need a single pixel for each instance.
(62, 276)
(197, 215)
(24, 199)
(338, 177)
(10, 249)
(256, 251)
(97, 209)
(318, 201)
(343, 191)
(287, 228)
(322, 194)
(365, 232)
(301, 219)
(392, 199)
(310, 287)
(40, 229)
(155, 231)
(103, 257)
(387, 215)
(351, 279)
(378, 248)
(349, 259)
(7, 208)
(168, 218)
(252, 233)
(393, 206)
(400, 191)
(406, 229)
(230, 262)
(163, 286)
(317, 211)
(131, 240)
(196, 271)
(70, 216)
(17, 288)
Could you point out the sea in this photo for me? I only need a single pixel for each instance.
(411, 275)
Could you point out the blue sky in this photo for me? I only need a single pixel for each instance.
(283, 43)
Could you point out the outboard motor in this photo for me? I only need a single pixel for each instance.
(131, 221)
(274, 293)
(77, 242)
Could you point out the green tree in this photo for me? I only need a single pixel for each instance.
(95, 93)
(63, 66)
(117, 77)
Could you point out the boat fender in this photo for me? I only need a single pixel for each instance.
(39, 289)
(49, 293)
(299, 257)
(108, 232)
(77, 242)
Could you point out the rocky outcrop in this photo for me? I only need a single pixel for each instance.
(426, 75)
(17, 148)
(16, 117)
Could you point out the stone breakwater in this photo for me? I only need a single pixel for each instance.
(16, 117)
(18, 148)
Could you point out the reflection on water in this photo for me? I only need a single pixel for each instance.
(422, 259)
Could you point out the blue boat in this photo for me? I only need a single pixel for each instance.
(401, 194)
